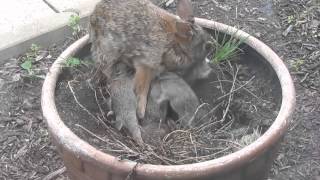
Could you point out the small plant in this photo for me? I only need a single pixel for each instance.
(27, 65)
(227, 48)
(34, 48)
(290, 19)
(73, 62)
(296, 65)
(29, 58)
(74, 23)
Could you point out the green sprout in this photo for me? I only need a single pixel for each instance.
(290, 19)
(34, 48)
(27, 65)
(74, 23)
(296, 65)
(73, 62)
(29, 58)
(227, 48)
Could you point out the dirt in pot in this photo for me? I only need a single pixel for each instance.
(243, 96)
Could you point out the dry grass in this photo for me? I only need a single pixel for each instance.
(207, 141)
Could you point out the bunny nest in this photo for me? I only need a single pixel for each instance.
(234, 123)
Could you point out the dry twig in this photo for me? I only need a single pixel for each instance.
(230, 94)
(55, 173)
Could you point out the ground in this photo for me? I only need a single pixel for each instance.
(289, 27)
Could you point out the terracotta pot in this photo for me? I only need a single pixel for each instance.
(84, 162)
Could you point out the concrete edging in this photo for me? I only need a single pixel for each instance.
(50, 29)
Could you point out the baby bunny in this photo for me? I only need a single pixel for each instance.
(166, 90)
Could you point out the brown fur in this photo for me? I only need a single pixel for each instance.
(147, 38)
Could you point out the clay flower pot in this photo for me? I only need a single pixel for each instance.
(84, 162)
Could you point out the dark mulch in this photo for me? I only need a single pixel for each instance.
(27, 153)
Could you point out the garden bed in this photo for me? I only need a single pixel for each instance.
(25, 146)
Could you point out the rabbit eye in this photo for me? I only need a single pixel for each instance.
(208, 46)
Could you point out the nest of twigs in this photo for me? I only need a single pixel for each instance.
(178, 147)
(219, 136)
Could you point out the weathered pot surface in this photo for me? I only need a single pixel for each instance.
(84, 162)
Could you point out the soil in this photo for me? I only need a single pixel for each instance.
(27, 153)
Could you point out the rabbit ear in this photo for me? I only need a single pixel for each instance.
(184, 31)
(185, 11)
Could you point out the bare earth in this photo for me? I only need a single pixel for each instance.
(27, 153)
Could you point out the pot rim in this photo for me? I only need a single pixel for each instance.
(65, 137)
